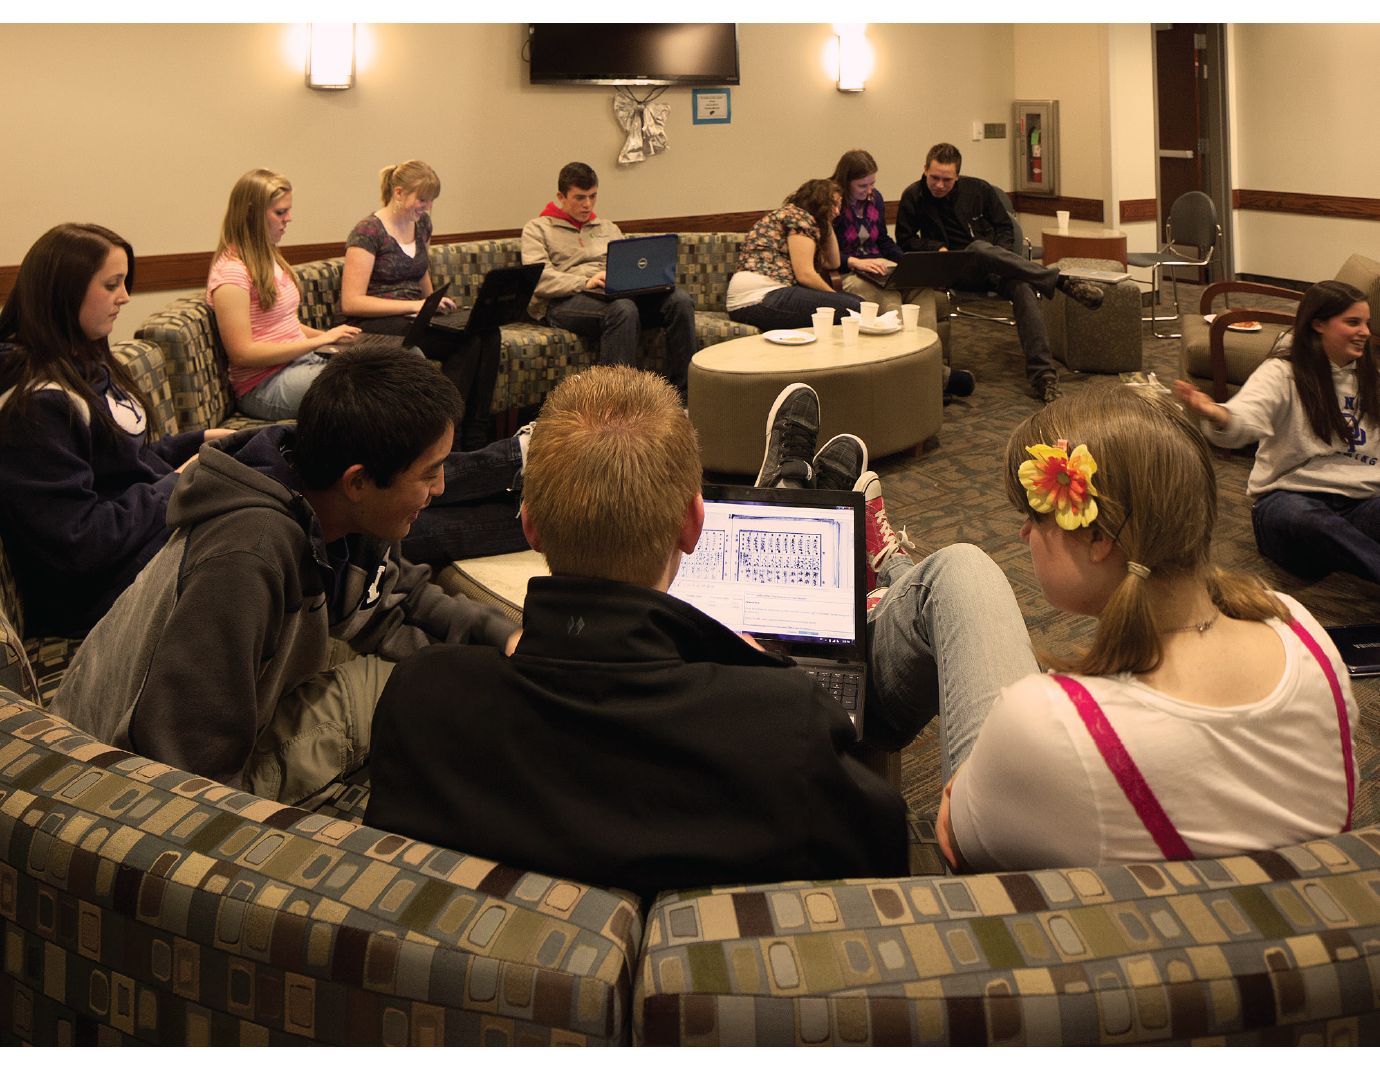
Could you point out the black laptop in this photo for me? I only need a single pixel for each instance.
(502, 299)
(1359, 646)
(642, 265)
(787, 566)
(935, 270)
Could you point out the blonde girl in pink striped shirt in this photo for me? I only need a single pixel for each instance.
(272, 354)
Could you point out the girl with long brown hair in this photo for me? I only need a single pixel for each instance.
(1209, 717)
(779, 282)
(85, 474)
(1316, 414)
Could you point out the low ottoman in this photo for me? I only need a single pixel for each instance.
(885, 389)
(1096, 340)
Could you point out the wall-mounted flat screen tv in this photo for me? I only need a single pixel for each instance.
(634, 53)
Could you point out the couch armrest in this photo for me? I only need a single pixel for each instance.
(173, 910)
(195, 362)
(147, 363)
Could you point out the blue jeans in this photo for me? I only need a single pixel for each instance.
(792, 306)
(477, 514)
(277, 397)
(1312, 535)
(945, 639)
(616, 324)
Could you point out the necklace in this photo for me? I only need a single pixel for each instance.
(1199, 628)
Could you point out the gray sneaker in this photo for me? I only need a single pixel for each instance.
(792, 426)
(1047, 387)
(840, 462)
(1087, 294)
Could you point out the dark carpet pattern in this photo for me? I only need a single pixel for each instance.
(954, 493)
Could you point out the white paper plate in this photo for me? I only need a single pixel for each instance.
(883, 329)
(1244, 325)
(789, 338)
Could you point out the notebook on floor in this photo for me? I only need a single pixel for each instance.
(935, 270)
(788, 567)
(502, 299)
(1359, 646)
(642, 265)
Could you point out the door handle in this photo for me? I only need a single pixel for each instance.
(1176, 154)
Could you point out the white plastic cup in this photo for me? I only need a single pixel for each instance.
(823, 322)
(1063, 218)
(825, 308)
(850, 331)
(910, 317)
(869, 313)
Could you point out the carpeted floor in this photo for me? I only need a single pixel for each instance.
(954, 494)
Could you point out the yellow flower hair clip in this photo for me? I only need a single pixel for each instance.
(1061, 483)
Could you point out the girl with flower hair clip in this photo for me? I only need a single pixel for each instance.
(1210, 717)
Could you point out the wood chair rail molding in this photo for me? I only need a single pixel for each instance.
(1307, 204)
(185, 271)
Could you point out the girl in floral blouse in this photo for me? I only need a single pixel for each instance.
(780, 282)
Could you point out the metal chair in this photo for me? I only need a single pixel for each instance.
(1019, 242)
(1192, 222)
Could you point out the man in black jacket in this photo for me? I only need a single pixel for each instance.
(947, 211)
(630, 740)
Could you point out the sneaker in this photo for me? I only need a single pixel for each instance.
(792, 426)
(875, 596)
(1047, 387)
(959, 383)
(882, 542)
(524, 436)
(840, 462)
(1087, 294)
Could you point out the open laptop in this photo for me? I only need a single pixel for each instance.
(935, 270)
(641, 265)
(502, 299)
(787, 566)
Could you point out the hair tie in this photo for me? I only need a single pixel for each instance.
(1060, 482)
(1140, 570)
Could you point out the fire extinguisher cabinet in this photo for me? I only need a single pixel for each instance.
(1036, 146)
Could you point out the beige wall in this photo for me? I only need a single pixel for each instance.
(1303, 122)
(152, 148)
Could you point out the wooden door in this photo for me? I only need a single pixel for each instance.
(1179, 110)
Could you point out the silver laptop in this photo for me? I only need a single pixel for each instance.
(787, 566)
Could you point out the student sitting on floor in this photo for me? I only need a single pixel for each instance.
(214, 660)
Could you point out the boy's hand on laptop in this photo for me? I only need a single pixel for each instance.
(751, 641)
(595, 282)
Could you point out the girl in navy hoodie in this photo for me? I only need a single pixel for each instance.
(85, 473)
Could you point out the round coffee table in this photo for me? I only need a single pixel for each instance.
(1083, 240)
(885, 389)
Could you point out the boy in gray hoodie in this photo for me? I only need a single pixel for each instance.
(214, 660)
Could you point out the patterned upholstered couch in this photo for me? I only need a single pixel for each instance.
(535, 357)
(142, 904)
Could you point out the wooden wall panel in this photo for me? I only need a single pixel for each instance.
(1142, 210)
(1307, 204)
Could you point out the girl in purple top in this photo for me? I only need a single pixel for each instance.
(387, 278)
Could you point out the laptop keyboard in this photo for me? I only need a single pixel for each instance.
(843, 686)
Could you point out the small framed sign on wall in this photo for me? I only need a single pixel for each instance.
(712, 106)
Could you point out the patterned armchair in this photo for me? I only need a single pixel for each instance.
(142, 905)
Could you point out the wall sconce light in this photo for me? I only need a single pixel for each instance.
(331, 55)
(855, 56)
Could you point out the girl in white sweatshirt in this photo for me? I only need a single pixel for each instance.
(1316, 413)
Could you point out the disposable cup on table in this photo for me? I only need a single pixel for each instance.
(850, 331)
(869, 313)
(1063, 218)
(825, 308)
(824, 322)
(910, 317)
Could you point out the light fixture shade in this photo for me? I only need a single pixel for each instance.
(331, 55)
(855, 56)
